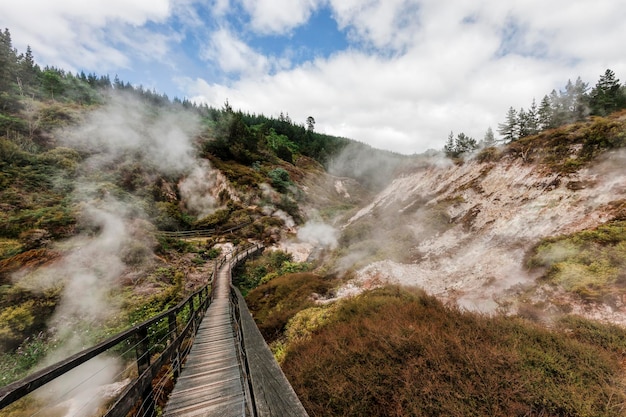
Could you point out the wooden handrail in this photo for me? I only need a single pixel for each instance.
(270, 392)
(147, 369)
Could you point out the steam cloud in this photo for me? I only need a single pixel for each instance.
(124, 130)
(319, 234)
(198, 188)
(372, 168)
(467, 229)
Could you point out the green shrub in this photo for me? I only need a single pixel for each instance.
(263, 269)
(17, 364)
(280, 180)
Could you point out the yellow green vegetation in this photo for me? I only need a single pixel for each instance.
(23, 341)
(274, 303)
(591, 263)
(9, 247)
(398, 352)
(33, 189)
(270, 265)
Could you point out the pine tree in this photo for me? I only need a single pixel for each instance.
(532, 123)
(522, 123)
(559, 113)
(581, 99)
(9, 92)
(448, 148)
(27, 70)
(464, 144)
(509, 130)
(544, 114)
(489, 139)
(310, 124)
(8, 61)
(607, 95)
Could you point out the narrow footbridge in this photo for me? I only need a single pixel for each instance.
(208, 345)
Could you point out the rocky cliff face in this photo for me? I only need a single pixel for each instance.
(465, 230)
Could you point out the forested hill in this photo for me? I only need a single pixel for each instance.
(240, 138)
(94, 171)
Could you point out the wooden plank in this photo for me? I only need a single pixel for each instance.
(212, 379)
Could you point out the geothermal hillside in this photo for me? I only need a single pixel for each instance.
(464, 231)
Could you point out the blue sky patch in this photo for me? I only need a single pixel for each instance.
(318, 37)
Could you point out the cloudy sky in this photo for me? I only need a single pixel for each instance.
(397, 74)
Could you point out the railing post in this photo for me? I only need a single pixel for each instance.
(199, 310)
(142, 351)
(172, 326)
(192, 315)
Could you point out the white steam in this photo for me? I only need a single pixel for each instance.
(90, 272)
(286, 218)
(319, 234)
(198, 190)
(82, 391)
(117, 238)
(88, 275)
(129, 129)
(466, 229)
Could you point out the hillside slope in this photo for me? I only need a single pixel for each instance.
(464, 231)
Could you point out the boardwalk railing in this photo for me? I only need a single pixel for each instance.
(165, 334)
(271, 393)
(185, 234)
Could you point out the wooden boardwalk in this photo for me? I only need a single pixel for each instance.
(211, 382)
(229, 371)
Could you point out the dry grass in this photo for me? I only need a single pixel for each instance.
(398, 352)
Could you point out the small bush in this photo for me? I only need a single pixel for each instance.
(490, 154)
(17, 364)
(280, 180)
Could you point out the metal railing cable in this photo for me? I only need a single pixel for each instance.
(18, 389)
